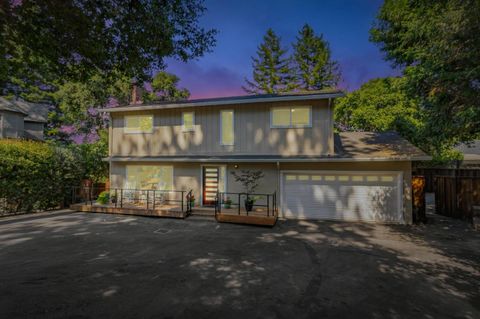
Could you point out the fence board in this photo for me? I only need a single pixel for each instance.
(456, 196)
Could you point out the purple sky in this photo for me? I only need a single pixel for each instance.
(242, 24)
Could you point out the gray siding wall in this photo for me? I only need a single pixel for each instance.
(34, 130)
(12, 125)
(253, 134)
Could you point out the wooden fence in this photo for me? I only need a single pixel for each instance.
(431, 173)
(456, 196)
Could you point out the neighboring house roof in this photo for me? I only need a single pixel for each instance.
(349, 147)
(471, 152)
(247, 99)
(34, 112)
(10, 106)
(37, 112)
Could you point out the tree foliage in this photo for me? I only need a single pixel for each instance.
(313, 64)
(165, 88)
(380, 105)
(35, 175)
(272, 72)
(438, 44)
(46, 43)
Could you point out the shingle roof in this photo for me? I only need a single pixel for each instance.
(34, 112)
(376, 145)
(7, 105)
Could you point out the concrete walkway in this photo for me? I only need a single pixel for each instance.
(80, 265)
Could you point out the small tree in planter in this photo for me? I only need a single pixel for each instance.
(250, 180)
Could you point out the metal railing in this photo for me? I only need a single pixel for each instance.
(232, 203)
(149, 199)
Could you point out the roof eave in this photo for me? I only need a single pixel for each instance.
(265, 160)
(223, 102)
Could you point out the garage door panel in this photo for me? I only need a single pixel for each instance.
(370, 197)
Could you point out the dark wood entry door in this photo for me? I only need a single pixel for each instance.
(210, 184)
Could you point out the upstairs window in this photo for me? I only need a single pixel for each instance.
(226, 127)
(295, 116)
(188, 121)
(139, 124)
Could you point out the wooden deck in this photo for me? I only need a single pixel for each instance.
(256, 217)
(227, 215)
(171, 211)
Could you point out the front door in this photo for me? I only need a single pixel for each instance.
(211, 180)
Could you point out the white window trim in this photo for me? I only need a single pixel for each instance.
(184, 129)
(125, 131)
(291, 126)
(221, 127)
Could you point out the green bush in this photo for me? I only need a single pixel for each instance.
(35, 175)
(103, 198)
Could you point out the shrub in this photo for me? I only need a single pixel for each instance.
(35, 175)
(103, 198)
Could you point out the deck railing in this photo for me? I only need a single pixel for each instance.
(237, 203)
(149, 199)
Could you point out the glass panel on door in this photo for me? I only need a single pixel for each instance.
(210, 185)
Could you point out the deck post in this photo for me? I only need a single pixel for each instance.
(148, 192)
(239, 203)
(268, 205)
(153, 199)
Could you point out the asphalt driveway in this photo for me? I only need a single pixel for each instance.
(79, 265)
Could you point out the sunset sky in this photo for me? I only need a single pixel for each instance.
(242, 24)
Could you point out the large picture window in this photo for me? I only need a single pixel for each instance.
(295, 116)
(149, 177)
(139, 124)
(226, 127)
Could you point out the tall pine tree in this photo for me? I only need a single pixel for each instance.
(272, 72)
(314, 67)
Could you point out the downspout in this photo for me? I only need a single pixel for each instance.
(278, 188)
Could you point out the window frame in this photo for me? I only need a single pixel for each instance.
(139, 131)
(185, 129)
(310, 114)
(221, 127)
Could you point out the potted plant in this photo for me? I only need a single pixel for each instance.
(250, 180)
(227, 203)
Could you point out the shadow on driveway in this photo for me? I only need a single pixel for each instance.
(94, 265)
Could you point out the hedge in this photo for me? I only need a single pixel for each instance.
(35, 175)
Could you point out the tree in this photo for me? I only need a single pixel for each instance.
(314, 67)
(438, 44)
(272, 72)
(46, 43)
(165, 88)
(380, 105)
(75, 117)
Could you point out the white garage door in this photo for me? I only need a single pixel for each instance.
(367, 196)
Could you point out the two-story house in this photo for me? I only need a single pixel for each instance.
(317, 173)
